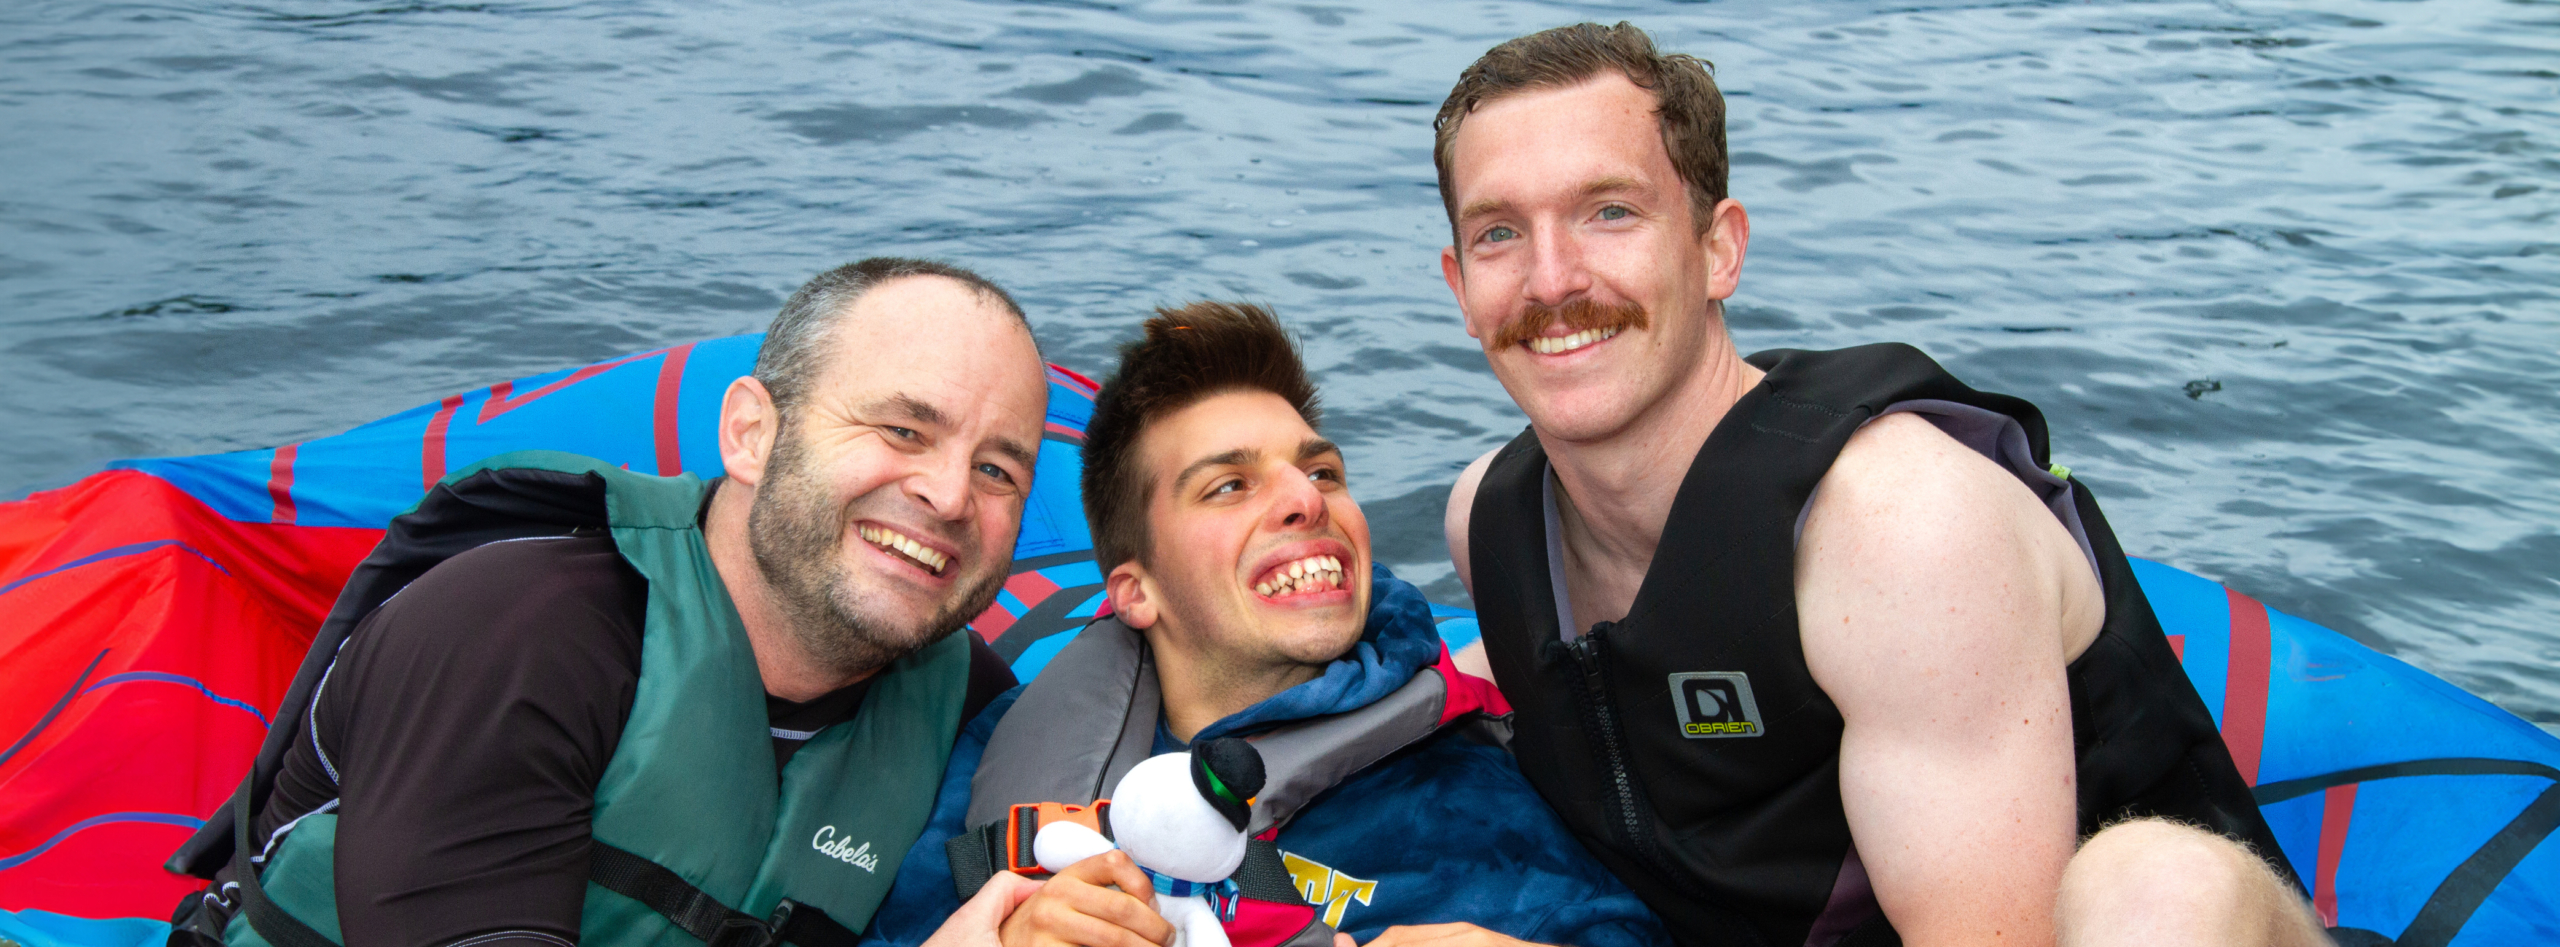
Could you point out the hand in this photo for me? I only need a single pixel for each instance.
(1077, 908)
(974, 925)
(1436, 935)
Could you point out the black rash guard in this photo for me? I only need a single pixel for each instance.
(463, 730)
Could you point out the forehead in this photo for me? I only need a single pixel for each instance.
(936, 339)
(1528, 144)
(1228, 420)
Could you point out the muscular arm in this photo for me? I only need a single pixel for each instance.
(1938, 603)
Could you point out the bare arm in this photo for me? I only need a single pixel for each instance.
(1453, 524)
(1938, 603)
(1462, 506)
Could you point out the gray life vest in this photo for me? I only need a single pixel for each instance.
(1092, 715)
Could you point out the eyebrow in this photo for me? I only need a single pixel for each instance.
(1028, 458)
(1232, 458)
(910, 407)
(1595, 186)
(1599, 186)
(1315, 447)
(918, 410)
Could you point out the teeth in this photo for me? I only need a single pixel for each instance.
(1311, 574)
(1558, 345)
(895, 541)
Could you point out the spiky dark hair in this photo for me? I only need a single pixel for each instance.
(1188, 354)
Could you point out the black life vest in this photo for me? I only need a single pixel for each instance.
(1687, 743)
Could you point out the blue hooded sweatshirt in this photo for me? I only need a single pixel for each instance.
(1445, 830)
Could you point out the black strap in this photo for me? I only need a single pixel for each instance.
(974, 857)
(2275, 792)
(1264, 877)
(702, 915)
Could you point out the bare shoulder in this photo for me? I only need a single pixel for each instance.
(1914, 541)
(1900, 475)
(1462, 505)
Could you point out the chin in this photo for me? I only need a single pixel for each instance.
(1581, 415)
(1322, 642)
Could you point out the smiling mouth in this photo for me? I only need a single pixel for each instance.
(1301, 576)
(905, 547)
(1561, 344)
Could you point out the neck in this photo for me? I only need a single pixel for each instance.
(1615, 491)
(786, 667)
(1201, 689)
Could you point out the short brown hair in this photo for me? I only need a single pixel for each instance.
(1188, 354)
(1685, 100)
(794, 346)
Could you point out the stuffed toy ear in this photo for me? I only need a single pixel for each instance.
(1228, 773)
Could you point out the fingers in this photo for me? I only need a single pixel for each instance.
(1341, 939)
(1442, 935)
(1079, 908)
(1114, 868)
(1011, 890)
(975, 924)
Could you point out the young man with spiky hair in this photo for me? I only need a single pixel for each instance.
(1811, 647)
(1246, 604)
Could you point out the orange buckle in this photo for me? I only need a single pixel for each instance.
(1022, 825)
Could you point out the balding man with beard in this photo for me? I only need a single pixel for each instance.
(592, 706)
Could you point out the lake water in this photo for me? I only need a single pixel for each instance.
(2281, 275)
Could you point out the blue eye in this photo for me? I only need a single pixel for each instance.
(996, 472)
(1613, 212)
(1499, 234)
(901, 433)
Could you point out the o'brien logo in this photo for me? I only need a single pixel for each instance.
(843, 850)
(1714, 705)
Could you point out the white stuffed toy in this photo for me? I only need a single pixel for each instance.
(1181, 817)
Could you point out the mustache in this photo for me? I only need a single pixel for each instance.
(1576, 314)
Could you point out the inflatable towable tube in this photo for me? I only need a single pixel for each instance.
(158, 611)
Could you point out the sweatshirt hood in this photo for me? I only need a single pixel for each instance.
(1399, 640)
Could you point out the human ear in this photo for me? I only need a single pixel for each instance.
(1133, 595)
(1728, 235)
(749, 424)
(1456, 273)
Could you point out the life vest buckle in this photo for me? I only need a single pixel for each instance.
(744, 931)
(1022, 825)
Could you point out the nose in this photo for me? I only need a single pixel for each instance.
(1556, 272)
(1296, 503)
(941, 483)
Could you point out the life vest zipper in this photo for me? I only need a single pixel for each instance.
(1601, 717)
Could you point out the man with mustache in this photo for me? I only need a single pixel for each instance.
(1246, 605)
(1809, 647)
(590, 706)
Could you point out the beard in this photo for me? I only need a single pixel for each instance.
(797, 537)
(1576, 314)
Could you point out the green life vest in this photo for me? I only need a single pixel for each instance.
(691, 787)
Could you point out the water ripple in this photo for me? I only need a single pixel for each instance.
(2282, 278)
